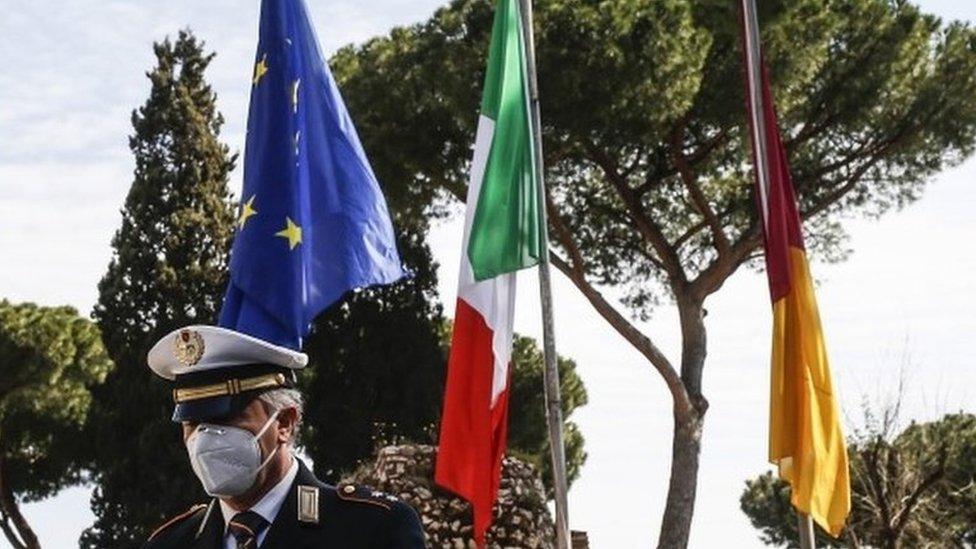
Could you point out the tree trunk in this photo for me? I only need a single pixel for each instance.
(9, 533)
(688, 424)
(680, 508)
(11, 511)
(891, 539)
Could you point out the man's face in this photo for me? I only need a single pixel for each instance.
(252, 418)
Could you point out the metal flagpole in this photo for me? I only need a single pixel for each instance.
(805, 524)
(554, 414)
(754, 74)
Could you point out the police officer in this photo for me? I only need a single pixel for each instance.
(236, 400)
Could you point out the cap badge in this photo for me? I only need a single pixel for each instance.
(188, 347)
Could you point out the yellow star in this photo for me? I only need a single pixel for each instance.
(292, 232)
(260, 69)
(247, 210)
(294, 94)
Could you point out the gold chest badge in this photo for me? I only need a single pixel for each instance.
(188, 347)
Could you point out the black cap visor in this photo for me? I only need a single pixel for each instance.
(212, 408)
(222, 406)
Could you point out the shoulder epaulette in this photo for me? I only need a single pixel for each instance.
(362, 494)
(178, 518)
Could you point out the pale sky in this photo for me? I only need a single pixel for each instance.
(72, 71)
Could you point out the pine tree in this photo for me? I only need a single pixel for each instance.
(51, 358)
(168, 270)
(647, 158)
(528, 433)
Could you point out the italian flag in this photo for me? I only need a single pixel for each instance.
(502, 234)
(806, 441)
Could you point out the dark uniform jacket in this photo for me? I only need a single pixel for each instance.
(347, 517)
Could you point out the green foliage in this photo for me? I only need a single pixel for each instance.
(51, 359)
(917, 489)
(377, 368)
(528, 435)
(646, 151)
(766, 501)
(376, 372)
(946, 449)
(376, 377)
(168, 270)
(874, 98)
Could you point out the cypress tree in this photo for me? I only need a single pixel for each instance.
(168, 270)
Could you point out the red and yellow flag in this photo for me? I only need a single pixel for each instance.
(805, 436)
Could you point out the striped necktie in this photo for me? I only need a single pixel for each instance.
(245, 527)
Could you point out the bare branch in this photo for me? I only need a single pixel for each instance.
(691, 184)
(902, 516)
(874, 476)
(638, 340)
(9, 533)
(712, 277)
(649, 230)
(693, 159)
(693, 230)
(576, 272)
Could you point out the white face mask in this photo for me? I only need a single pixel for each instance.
(227, 459)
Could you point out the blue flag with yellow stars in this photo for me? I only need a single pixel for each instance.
(313, 222)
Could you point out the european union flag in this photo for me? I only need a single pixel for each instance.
(313, 222)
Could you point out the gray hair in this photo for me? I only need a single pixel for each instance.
(277, 400)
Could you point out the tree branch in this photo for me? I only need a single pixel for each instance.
(622, 218)
(902, 516)
(649, 230)
(693, 159)
(874, 478)
(12, 512)
(827, 97)
(691, 184)
(635, 163)
(638, 340)
(686, 236)
(712, 277)
(9, 533)
(848, 185)
(576, 272)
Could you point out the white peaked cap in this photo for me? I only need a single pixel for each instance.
(200, 348)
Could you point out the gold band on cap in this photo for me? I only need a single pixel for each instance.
(229, 387)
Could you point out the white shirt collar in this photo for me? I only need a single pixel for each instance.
(268, 505)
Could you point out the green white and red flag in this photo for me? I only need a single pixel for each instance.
(502, 234)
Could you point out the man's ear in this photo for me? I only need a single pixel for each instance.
(287, 422)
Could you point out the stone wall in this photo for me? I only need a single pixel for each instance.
(522, 519)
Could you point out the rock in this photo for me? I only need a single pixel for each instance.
(521, 516)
